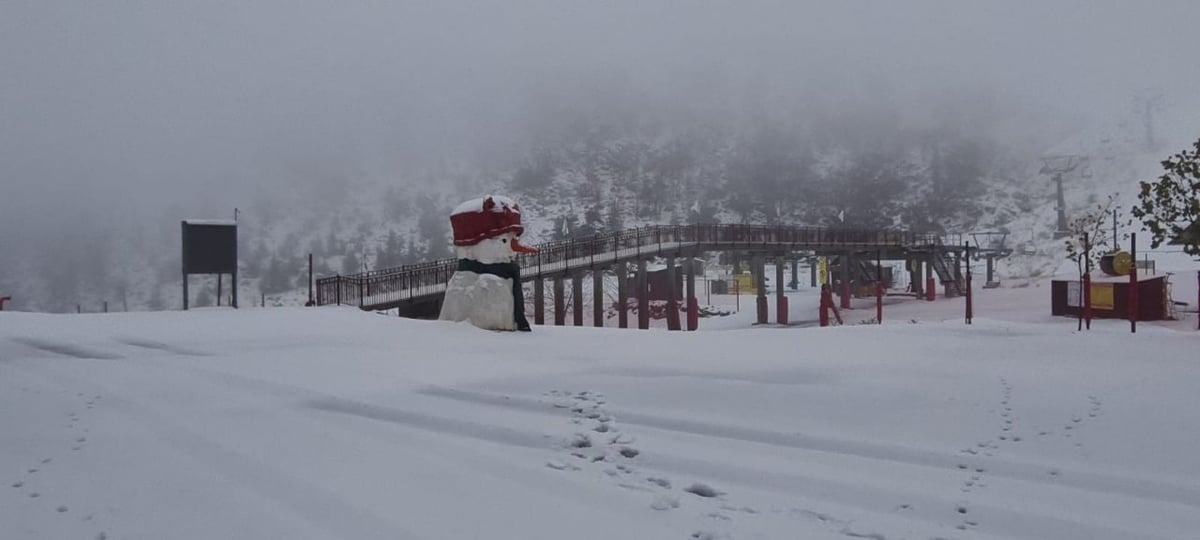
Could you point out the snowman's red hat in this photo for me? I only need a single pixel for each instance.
(479, 219)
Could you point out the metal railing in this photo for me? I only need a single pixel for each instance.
(390, 285)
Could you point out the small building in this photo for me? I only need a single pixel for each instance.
(1110, 298)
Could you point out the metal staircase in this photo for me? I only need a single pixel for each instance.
(948, 274)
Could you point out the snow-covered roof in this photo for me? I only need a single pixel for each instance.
(476, 205)
(210, 222)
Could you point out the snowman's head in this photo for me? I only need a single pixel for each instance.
(497, 249)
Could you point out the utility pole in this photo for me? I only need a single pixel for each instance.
(1058, 166)
(311, 302)
(1115, 247)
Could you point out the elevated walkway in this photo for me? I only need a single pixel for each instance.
(420, 286)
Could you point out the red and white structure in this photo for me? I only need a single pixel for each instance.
(485, 288)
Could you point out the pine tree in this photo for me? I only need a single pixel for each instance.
(331, 244)
(434, 228)
(350, 263)
(615, 221)
(392, 251)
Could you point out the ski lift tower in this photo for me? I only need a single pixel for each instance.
(1057, 166)
(991, 246)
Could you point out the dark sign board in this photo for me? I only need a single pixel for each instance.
(209, 247)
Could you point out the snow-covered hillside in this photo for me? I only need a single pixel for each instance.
(1112, 155)
(335, 423)
(924, 174)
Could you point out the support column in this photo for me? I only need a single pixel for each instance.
(930, 282)
(795, 284)
(539, 301)
(957, 272)
(845, 301)
(672, 295)
(643, 299)
(915, 277)
(577, 298)
(693, 305)
(812, 267)
(560, 305)
(622, 272)
(760, 282)
(598, 298)
(781, 301)
(991, 271)
(970, 314)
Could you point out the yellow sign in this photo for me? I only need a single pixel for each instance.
(822, 271)
(1102, 296)
(744, 284)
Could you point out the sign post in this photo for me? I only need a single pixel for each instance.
(1133, 284)
(209, 247)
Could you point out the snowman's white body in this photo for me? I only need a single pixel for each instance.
(486, 300)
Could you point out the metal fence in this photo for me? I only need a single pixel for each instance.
(389, 285)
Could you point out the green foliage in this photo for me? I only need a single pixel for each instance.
(1170, 205)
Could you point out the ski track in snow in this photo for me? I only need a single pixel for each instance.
(871, 498)
(159, 346)
(594, 440)
(1084, 480)
(71, 350)
(308, 501)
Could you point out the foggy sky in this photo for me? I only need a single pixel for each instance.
(117, 108)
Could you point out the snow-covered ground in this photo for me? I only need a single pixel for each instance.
(334, 423)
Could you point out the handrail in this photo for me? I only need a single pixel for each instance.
(428, 277)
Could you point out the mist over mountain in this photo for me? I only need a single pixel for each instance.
(349, 129)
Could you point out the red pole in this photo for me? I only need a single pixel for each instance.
(4, 299)
(1133, 284)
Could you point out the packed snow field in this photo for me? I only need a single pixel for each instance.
(335, 423)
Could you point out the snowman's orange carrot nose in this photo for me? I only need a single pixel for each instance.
(517, 247)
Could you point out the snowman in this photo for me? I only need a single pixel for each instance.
(486, 288)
